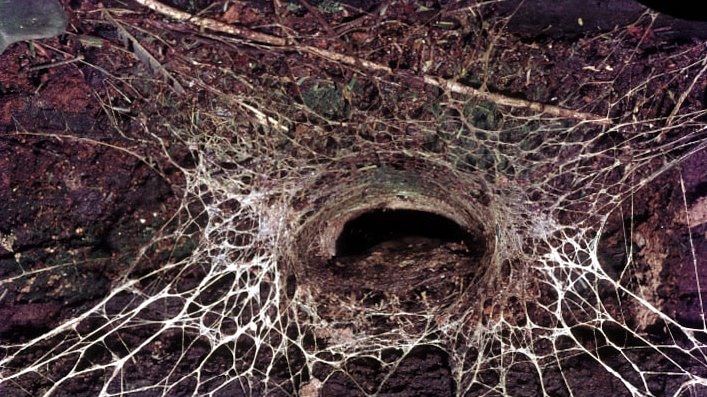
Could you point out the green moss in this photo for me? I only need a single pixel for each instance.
(325, 99)
(482, 115)
(330, 7)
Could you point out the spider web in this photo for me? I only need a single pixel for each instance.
(277, 157)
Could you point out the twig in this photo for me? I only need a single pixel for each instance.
(453, 86)
(687, 92)
(211, 24)
(516, 102)
(55, 64)
(465, 90)
(144, 56)
(59, 137)
(318, 16)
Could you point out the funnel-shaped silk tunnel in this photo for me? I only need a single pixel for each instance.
(377, 226)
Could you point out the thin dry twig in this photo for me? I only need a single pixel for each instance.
(144, 56)
(56, 64)
(687, 92)
(515, 102)
(319, 17)
(207, 23)
(458, 88)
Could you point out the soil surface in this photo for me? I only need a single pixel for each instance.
(85, 191)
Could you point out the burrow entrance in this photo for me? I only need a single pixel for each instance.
(394, 247)
(407, 260)
(403, 230)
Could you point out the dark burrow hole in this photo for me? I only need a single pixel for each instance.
(397, 227)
